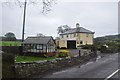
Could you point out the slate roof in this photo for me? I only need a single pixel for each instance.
(37, 40)
(81, 30)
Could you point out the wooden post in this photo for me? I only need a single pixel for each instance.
(79, 53)
(23, 30)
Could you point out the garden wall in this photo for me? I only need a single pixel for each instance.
(24, 70)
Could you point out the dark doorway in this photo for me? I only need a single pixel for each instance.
(71, 44)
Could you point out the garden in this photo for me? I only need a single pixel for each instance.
(59, 54)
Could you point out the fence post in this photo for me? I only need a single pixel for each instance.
(79, 53)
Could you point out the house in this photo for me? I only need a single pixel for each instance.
(40, 45)
(75, 37)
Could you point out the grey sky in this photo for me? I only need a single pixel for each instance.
(100, 17)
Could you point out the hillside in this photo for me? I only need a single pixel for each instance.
(113, 42)
(108, 38)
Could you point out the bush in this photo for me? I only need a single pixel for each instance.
(90, 47)
(63, 53)
(8, 70)
(111, 49)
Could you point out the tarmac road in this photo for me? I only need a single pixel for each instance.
(105, 67)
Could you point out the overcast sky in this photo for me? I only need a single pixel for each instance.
(100, 17)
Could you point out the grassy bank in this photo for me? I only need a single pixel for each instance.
(32, 58)
(10, 43)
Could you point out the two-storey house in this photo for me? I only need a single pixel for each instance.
(75, 37)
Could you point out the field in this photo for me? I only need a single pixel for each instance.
(31, 58)
(10, 43)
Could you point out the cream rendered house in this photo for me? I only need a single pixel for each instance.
(75, 37)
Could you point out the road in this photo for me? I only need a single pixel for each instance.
(105, 67)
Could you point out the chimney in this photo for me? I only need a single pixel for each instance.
(77, 25)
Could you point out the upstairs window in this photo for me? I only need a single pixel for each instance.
(67, 35)
(74, 35)
(87, 35)
(61, 36)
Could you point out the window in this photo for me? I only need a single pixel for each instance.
(67, 35)
(78, 34)
(81, 42)
(70, 35)
(39, 47)
(74, 35)
(87, 35)
(61, 36)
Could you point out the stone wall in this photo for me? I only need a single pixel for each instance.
(24, 70)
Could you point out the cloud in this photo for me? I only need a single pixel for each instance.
(100, 17)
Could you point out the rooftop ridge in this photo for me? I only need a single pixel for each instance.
(39, 36)
(74, 30)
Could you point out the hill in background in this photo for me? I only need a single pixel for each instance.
(113, 42)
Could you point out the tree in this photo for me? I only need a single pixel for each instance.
(60, 29)
(63, 28)
(10, 36)
(46, 4)
(40, 35)
(66, 27)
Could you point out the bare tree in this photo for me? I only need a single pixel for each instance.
(66, 27)
(60, 29)
(63, 28)
(40, 35)
(46, 6)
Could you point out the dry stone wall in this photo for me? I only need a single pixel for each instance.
(24, 70)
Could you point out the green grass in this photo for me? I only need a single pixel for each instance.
(10, 43)
(32, 59)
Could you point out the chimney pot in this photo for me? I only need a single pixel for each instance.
(77, 25)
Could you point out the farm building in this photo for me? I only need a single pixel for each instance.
(40, 45)
(75, 37)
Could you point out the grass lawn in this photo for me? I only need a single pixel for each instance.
(32, 59)
(10, 43)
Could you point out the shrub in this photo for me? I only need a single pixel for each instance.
(8, 70)
(63, 53)
(86, 46)
(91, 47)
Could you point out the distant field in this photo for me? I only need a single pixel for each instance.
(9, 43)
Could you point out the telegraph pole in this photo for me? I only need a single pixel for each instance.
(23, 30)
